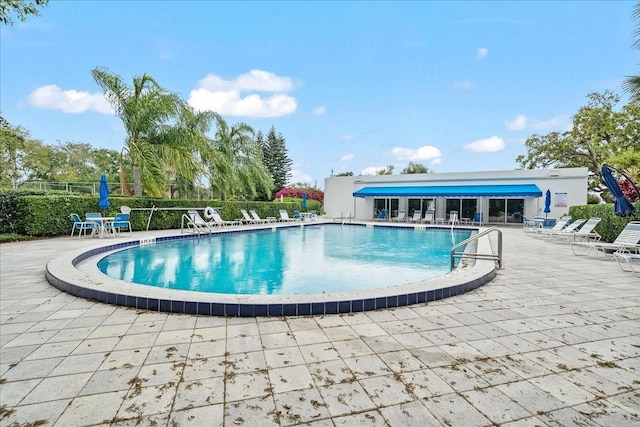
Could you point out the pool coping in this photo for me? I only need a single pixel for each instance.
(76, 272)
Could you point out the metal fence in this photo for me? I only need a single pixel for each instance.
(93, 188)
(70, 187)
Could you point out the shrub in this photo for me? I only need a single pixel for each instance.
(610, 225)
(312, 194)
(36, 214)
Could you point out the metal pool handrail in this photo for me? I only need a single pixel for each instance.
(342, 219)
(475, 255)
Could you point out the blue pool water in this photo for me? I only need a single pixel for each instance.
(296, 260)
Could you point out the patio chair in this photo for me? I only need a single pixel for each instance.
(216, 219)
(401, 217)
(417, 216)
(584, 234)
(453, 218)
(297, 215)
(80, 225)
(284, 216)
(628, 261)
(628, 240)
(528, 223)
(564, 221)
(192, 221)
(120, 221)
(94, 219)
(246, 218)
(568, 230)
(257, 218)
(428, 217)
(383, 216)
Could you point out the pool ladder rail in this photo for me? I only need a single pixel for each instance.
(495, 256)
(342, 219)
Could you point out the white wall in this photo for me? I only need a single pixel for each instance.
(565, 184)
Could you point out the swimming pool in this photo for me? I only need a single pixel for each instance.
(76, 272)
(299, 260)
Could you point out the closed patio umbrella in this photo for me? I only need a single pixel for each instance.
(304, 201)
(104, 192)
(622, 207)
(547, 203)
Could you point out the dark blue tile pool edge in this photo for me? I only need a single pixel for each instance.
(254, 310)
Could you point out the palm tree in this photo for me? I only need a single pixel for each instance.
(191, 130)
(153, 142)
(236, 166)
(631, 84)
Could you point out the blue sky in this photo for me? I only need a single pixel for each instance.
(352, 86)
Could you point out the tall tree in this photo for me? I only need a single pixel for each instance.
(415, 168)
(43, 162)
(148, 113)
(385, 171)
(12, 144)
(276, 159)
(21, 8)
(599, 133)
(237, 166)
(631, 85)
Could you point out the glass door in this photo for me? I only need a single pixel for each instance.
(497, 209)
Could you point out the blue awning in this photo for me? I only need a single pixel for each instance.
(516, 190)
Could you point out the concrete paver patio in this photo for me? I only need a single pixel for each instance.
(554, 339)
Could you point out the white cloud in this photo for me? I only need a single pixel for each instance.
(346, 157)
(522, 122)
(371, 170)
(482, 52)
(436, 161)
(494, 143)
(225, 96)
(319, 111)
(426, 152)
(519, 123)
(299, 176)
(69, 101)
(463, 84)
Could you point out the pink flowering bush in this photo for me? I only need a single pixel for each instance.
(312, 194)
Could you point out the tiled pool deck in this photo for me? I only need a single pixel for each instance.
(554, 339)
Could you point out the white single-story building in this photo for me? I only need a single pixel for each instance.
(482, 197)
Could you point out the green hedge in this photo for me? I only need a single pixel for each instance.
(610, 225)
(9, 209)
(47, 215)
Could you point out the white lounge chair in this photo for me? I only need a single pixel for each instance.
(428, 217)
(568, 230)
(628, 240)
(284, 216)
(192, 221)
(401, 217)
(214, 216)
(246, 218)
(562, 223)
(453, 218)
(259, 220)
(628, 261)
(417, 216)
(584, 234)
